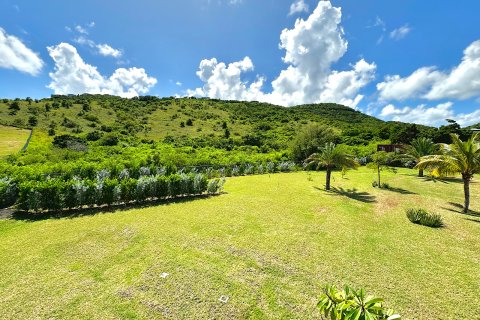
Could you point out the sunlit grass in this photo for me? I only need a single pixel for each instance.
(12, 139)
(269, 244)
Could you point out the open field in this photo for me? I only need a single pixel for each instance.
(270, 243)
(12, 139)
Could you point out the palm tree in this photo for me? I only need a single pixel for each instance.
(459, 157)
(419, 148)
(331, 157)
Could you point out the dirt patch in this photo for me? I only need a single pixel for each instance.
(5, 214)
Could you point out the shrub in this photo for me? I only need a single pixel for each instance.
(286, 166)
(348, 303)
(385, 185)
(374, 184)
(215, 186)
(424, 218)
(8, 193)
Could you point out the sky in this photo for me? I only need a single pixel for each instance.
(404, 60)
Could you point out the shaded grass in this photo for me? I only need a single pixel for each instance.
(270, 244)
(12, 139)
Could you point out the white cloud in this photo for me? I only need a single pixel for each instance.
(433, 116)
(73, 76)
(15, 55)
(106, 50)
(178, 83)
(462, 82)
(298, 6)
(400, 33)
(311, 48)
(81, 29)
(415, 85)
(224, 82)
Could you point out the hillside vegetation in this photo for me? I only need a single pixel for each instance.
(194, 122)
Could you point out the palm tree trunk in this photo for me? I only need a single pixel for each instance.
(466, 191)
(420, 172)
(378, 172)
(327, 182)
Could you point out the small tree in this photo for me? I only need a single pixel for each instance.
(380, 161)
(310, 140)
(331, 157)
(419, 148)
(460, 157)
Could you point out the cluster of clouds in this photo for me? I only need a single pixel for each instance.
(71, 75)
(311, 48)
(462, 82)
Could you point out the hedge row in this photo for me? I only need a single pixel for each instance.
(92, 171)
(55, 194)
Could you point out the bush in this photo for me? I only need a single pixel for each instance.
(385, 185)
(8, 193)
(375, 184)
(348, 303)
(424, 218)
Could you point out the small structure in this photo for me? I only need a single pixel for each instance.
(390, 147)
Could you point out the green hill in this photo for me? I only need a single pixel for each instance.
(190, 121)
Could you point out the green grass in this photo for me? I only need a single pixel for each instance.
(270, 244)
(12, 139)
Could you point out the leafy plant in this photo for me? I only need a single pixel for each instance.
(424, 218)
(349, 304)
(459, 157)
(331, 157)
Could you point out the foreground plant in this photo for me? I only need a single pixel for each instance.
(349, 304)
(460, 157)
(425, 218)
(331, 157)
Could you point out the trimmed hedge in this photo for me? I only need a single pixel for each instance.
(55, 194)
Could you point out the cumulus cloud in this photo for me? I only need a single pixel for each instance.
(106, 50)
(73, 76)
(400, 33)
(15, 55)
(311, 47)
(224, 82)
(462, 82)
(432, 116)
(298, 6)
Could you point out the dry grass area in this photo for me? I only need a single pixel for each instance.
(12, 139)
(268, 245)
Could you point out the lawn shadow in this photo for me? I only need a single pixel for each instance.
(81, 212)
(354, 194)
(458, 208)
(399, 190)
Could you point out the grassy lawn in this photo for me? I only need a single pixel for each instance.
(12, 139)
(270, 243)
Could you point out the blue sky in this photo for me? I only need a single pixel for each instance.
(404, 60)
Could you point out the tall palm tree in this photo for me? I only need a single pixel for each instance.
(459, 157)
(420, 147)
(331, 157)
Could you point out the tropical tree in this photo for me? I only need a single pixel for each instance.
(460, 157)
(420, 147)
(331, 157)
(380, 161)
(310, 140)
